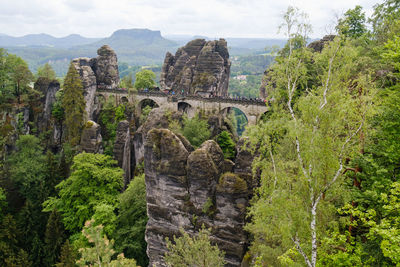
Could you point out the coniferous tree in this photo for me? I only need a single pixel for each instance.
(68, 256)
(46, 71)
(73, 104)
(54, 238)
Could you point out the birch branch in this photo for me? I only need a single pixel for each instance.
(328, 78)
(300, 250)
(339, 170)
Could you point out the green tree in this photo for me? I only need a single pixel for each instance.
(94, 180)
(101, 251)
(196, 130)
(46, 71)
(145, 79)
(73, 104)
(131, 221)
(386, 20)
(353, 23)
(127, 81)
(227, 145)
(375, 173)
(54, 238)
(304, 146)
(27, 168)
(68, 256)
(20, 75)
(194, 251)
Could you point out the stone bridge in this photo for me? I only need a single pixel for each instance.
(190, 104)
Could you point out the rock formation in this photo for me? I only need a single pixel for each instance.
(123, 150)
(91, 138)
(318, 45)
(188, 189)
(200, 67)
(101, 72)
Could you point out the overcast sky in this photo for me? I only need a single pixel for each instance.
(212, 18)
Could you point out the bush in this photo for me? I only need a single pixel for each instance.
(227, 145)
(196, 130)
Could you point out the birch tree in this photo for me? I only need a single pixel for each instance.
(318, 110)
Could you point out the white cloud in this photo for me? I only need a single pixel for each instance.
(213, 18)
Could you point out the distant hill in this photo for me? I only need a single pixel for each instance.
(45, 40)
(136, 47)
(133, 46)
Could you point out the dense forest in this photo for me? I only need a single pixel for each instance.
(326, 158)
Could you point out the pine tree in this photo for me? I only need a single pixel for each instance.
(73, 104)
(68, 256)
(54, 237)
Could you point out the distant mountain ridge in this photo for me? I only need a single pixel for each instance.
(136, 47)
(46, 40)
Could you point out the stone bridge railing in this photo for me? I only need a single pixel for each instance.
(181, 97)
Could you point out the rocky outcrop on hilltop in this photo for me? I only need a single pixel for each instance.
(101, 72)
(316, 46)
(187, 189)
(106, 67)
(200, 67)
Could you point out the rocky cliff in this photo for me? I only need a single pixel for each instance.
(186, 189)
(101, 72)
(200, 67)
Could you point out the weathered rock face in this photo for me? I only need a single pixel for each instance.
(199, 67)
(101, 71)
(91, 138)
(48, 89)
(188, 189)
(156, 119)
(317, 46)
(123, 149)
(85, 66)
(107, 67)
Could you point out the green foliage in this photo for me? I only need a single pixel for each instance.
(94, 179)
(54, 238)
(227, 145)
(46, 71)
(353, 23)
(131, 221)
(127, 81)
(73, 104)
(144, 114)
(27, 168)
(145, 79)
(101, 251)
(110, 116)
(196, 130)
(20, 75)
(10, 253)
(386, 20)
(104, 215)
(315, 120)
(194, 251)
(68, 256)
(57, 110)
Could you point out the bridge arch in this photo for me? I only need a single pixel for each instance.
(186, 108)
(241, 118)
